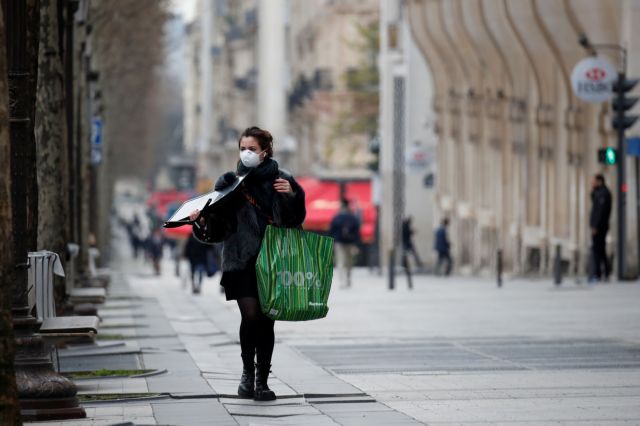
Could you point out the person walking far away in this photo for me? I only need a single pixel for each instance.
(268, 195)
(133, 231)
(442, 247)
(154, 246)
(599, 223)
(200, 257)
(345, 230)
(407, 242)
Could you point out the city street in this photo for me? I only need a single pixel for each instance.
(452, 351)
(489, 141)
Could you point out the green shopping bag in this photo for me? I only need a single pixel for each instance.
(294, 271)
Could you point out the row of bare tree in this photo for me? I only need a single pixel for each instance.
(64, 63)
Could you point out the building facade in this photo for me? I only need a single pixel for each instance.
(332, 92)
(298, 68)
(516, 148)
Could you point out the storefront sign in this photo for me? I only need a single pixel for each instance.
(592, 79)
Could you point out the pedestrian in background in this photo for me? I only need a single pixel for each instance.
(599, 223)
(154, 246)
(407, 242)
(268, 195)
(201, 260)
(443, 247)
(345, 230)
(133, 232)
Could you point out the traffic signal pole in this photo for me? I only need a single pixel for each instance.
(622, 182)
(620, 122)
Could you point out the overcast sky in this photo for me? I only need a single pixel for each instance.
(186, 8)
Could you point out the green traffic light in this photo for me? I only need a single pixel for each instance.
(610, 156)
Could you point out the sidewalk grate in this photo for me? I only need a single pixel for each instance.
(476, 355)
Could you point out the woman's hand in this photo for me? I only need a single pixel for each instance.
(282, 186)
(194, 215)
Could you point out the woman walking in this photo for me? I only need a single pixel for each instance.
(267, 195)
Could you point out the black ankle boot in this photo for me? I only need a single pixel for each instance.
(263, 393)
(246, 387)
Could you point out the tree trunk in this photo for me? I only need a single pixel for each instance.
(51, 142)
(31, 179)
(82, 159)
(9, 408)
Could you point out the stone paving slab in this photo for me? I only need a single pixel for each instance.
(192, 413)
(138, 414)
(297, 400)
(195, 328)
(353, 407)
(307, 420)
(305, 377)
(264, 410)
(366, 414)
(183, 375)
(97, 362)
(111, 386)
(100, 350)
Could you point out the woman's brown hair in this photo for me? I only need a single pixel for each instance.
(264, 138)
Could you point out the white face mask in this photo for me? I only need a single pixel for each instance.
(250, 159)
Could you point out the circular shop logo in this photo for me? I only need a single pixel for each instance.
(592, 79)
(595, 74)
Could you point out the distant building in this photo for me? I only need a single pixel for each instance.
(333, 84)
(516, 148)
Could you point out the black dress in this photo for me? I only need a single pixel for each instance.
(242, 283)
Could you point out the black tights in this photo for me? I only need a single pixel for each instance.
(256, 331)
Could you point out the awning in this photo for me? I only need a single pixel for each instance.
(323, 203)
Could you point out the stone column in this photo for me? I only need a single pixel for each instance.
(272, 67)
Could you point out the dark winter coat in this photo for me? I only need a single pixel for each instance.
(240, 223)
(441, 243)
(345, 228)
(407, 235)
(196, 251)
(600, 209)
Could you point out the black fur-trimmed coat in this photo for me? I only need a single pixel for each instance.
(240, 224)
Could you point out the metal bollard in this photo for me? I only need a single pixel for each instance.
(557, 266)
(392, 267)
(499, 267)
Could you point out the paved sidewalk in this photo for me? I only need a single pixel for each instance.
(192, 355)
(452, 351)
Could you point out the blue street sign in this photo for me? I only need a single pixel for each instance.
(633, 146)
(96, 140)
(96, 131)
